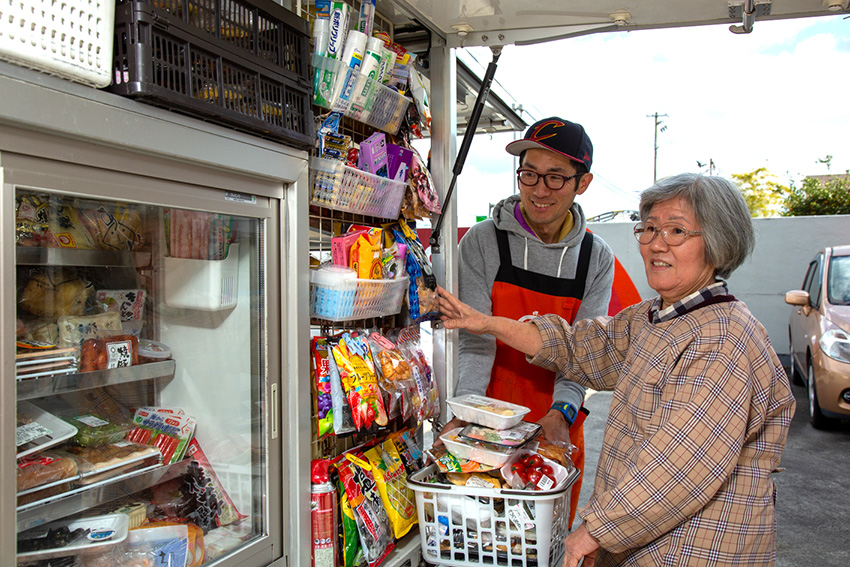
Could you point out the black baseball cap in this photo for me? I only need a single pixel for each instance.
(557, 135)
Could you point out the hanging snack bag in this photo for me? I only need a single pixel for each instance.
(358, 379)
(408, 450)
(394, 371)
(399, 500)
(422, 183)
(350, 552)
(322, 387)
(421, 295)
(343, 420)
(373, 526)
(429, 398)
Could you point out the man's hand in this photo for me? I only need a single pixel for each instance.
(453, 424)
(555, 426)
(579, 543)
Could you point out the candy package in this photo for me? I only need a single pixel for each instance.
(322, 387)
(357, 374)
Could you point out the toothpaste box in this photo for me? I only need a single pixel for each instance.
(400, 160)
(373, 155)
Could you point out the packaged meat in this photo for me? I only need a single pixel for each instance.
(116, 351)
(44, 468)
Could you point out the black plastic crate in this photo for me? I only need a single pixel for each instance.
(240, 63)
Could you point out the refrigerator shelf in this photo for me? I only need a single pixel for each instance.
(67, 383)
(40, 256)
(84, 498)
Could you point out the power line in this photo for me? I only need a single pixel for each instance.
(658, 123)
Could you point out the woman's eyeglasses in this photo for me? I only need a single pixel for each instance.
(553, 181)
(672, 234)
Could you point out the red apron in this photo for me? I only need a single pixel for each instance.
(517, 293)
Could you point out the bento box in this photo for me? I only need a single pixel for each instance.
(489, 412)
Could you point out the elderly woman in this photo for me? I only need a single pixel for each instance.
(701, 403)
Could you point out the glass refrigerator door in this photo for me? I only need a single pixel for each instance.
(141, 371)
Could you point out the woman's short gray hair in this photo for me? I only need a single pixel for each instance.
(720, 211)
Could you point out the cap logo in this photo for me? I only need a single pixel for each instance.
(541, 133)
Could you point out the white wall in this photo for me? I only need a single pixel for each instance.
(784, 248)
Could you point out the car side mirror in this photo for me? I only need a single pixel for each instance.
(800, 298)
(797, 297)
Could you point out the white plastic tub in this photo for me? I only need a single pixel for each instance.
(489, 412)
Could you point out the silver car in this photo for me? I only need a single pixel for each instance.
(819, 335)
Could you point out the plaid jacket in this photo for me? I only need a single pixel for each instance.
(698, 421)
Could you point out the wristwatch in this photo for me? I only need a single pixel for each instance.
(568, 409)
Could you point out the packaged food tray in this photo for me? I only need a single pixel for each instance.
(100, 532)
(474, 451)
(489, 412)
(70, 39)
(343, 188)
(343, 89)
(462, 525)
(244, 64)
(356, 298)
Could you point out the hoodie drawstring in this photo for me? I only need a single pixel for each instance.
(561, 261)
(525, 256)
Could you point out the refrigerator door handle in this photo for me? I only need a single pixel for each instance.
(274, 410)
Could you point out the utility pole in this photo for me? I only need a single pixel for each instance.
(658, 123)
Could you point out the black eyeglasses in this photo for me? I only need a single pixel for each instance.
(553, 181)
(672, 234)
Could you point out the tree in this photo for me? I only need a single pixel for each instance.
(763, 195)
(830, 197)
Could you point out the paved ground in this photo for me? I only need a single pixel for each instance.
(813, 503)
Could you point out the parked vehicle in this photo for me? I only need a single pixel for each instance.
(819, 335)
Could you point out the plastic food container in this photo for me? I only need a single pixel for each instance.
(39, 429)
(473, 451)
(466, 525)
(512, 438)
(96, 534)
(152, 351)
(93, 431)
(489, 412)
(561, 473)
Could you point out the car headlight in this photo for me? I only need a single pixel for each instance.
(835, 343)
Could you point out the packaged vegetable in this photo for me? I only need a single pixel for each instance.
(390, 476)
(359, 381)
(322, 387)
(373, 525)
(95, 431)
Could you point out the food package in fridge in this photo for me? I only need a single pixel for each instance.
(44, 468)
(164, 428)
(94, 430)
(115, 226)
(79, 537)
(73, 330)
(117, 351)
(128, 303)
(38, 429)
(54, 292)
(218, 505)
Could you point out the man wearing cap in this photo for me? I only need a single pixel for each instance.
(535, 255)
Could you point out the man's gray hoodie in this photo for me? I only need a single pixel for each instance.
(479, 263)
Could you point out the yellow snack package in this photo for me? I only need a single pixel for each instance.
(390, 476)
(366, 258)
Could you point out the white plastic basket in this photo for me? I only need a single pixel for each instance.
(462, 525)
(343, 188)
(367, 298)
(72, 39)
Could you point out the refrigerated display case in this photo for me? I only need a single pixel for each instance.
(146, 273)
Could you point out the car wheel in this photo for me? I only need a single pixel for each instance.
(816, 417)
(794, 376)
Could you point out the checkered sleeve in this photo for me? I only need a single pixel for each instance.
(707, 393)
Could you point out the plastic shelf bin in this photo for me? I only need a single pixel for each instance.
(239, 63)
(368, 298)
(70, 39)
(343, 188)
(206, 285)
(340, 88)
(463, 525)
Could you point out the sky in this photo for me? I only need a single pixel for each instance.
(775, 98)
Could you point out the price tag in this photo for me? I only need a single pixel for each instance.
(545, 483)
(30, 432)
(519, 518)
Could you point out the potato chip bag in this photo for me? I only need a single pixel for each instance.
(389, 473)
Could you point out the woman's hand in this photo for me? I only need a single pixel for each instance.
(458, 315)
(580, 544)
